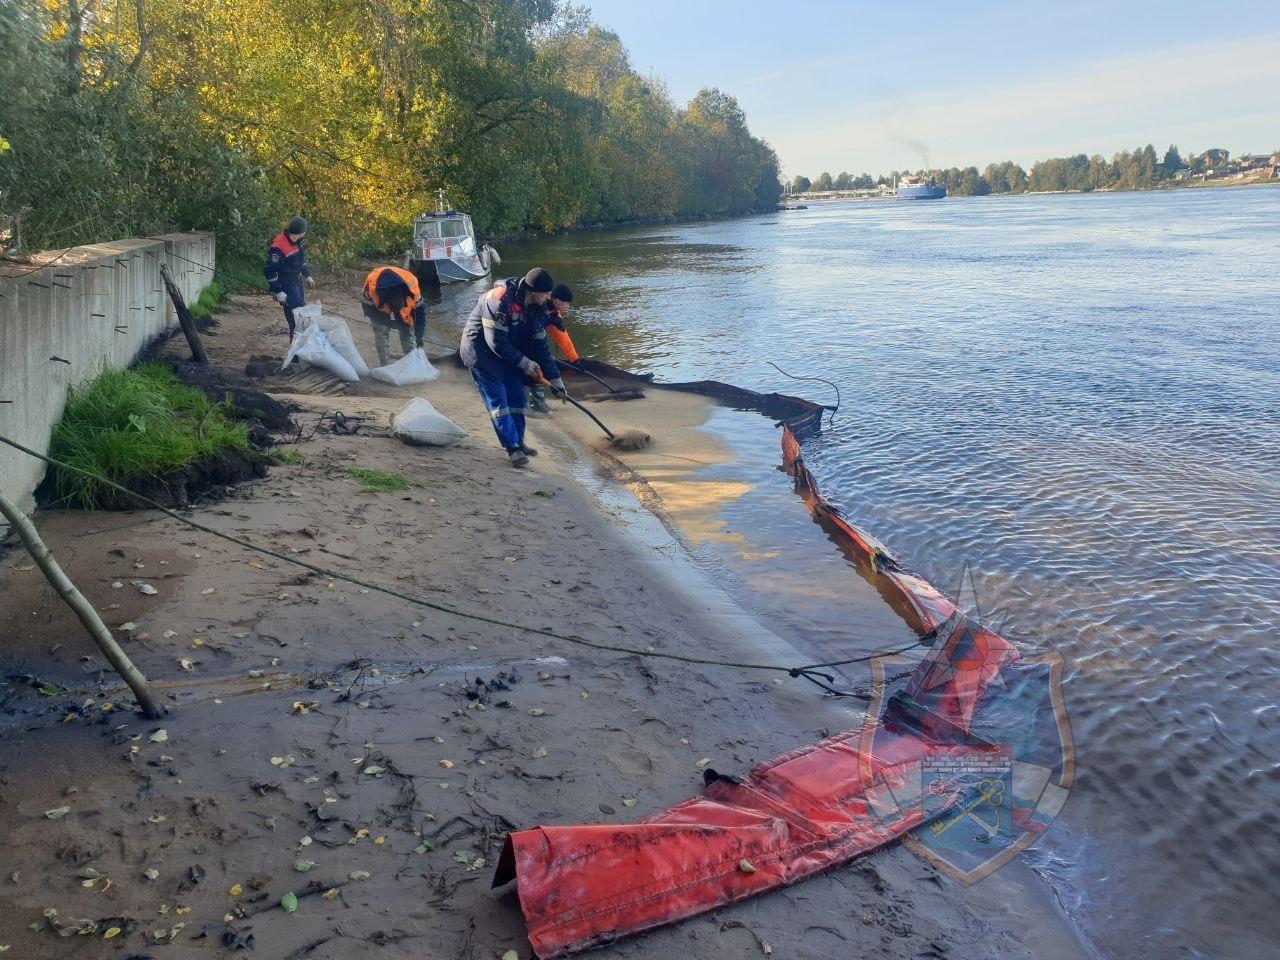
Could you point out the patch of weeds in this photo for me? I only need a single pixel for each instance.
(210, 299)
(375, 481)
(288, 455)
(127, 425)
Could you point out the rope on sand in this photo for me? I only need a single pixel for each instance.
(809, 671)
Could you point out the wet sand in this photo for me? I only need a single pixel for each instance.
(322, 740)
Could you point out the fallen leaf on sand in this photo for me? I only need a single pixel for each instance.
(300, 708)
(543, 675)
(628, 801)
(185, 664)
(379, 840)
(207, 590)
(585, 695)
(537, 712)
(289, 902)
(511, 955)
(465, 856)
(746, 866)
(362, 833)
(110, 932)
(197, 641)
(359, 875)
(302, 866)
(256, 566)
(426, 845)
(117, 585)
(437, 739)
(129, 626)
(57, 813)
(286, 761)
(540, 752)
(373, 771)
(703, 762)
(236, 890)
(169, 634)
(151, 873)
(447, 764)
(329, 894)
(160, 736)
(147, 590)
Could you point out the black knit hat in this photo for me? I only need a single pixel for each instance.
(562, 293)
(539, 281)
(297, 225)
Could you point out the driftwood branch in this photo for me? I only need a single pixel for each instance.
(184, 317)
(82, 608)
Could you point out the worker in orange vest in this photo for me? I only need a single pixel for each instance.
(391, 298)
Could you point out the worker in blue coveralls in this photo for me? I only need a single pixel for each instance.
(503, 343)
(286, 268)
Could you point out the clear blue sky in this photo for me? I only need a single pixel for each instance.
(873, 87)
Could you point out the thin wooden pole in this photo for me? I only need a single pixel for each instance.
(184, 317)
(82, 608)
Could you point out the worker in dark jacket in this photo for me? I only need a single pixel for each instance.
(503, 343)
(391, 298)
(286, 268)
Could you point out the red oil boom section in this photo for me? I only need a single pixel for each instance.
(790, 818)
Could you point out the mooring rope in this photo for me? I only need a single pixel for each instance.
(809, 671)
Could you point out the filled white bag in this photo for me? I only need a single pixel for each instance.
(339, 334)
(419, 423)
(336, 329)
(413, 367)
(314, 347)
(303, 317)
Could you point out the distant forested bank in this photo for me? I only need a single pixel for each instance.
(1142, 169)
(141, 116)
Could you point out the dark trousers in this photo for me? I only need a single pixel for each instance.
(292, 288)
(505, 401)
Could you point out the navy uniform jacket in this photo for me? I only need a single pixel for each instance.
(503, 335)
(285, 267)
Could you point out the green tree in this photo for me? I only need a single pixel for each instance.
(824, 181)
(800, 184)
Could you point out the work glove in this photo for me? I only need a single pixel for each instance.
(282, 297)
(311, 282)
(557, 386)
(531, 370)
(419, 343)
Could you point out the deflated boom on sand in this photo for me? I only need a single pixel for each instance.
(789, 818)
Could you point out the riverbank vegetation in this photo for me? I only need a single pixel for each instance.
(135, 118)
(1141, 169)
(135, 427)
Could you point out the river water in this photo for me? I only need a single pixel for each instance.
(1076, 399)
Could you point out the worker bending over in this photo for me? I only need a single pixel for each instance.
(553, 319)
(286, 268)
(505, 341)
(391, 298)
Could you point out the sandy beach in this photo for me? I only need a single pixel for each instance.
(328, 741)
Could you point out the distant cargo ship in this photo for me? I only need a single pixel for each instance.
(918, 188)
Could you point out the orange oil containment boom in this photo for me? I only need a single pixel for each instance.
(789, 818)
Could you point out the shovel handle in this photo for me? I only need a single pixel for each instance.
(608, 433)
(582, 368)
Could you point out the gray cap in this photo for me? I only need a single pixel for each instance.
(539, 281)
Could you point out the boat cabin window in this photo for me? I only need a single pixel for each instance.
(452, 228)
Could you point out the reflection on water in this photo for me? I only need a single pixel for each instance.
(1078, 397)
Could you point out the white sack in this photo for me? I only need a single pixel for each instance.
(303, 317)
(413, 367)
(419, 423)
(314, 347)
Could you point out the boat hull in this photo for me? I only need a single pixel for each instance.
(920, 193)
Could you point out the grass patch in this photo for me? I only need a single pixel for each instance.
(128, 425)
(210, 299)
(288, 455)
(375, 481)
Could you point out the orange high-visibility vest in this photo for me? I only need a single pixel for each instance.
(410, 301)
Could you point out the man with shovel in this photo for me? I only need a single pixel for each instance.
(505, 341)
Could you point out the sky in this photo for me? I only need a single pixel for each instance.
(877, 87)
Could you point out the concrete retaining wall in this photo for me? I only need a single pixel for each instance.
(89, 305)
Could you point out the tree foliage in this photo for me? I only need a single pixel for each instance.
(136, 117)
(1141, 169)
